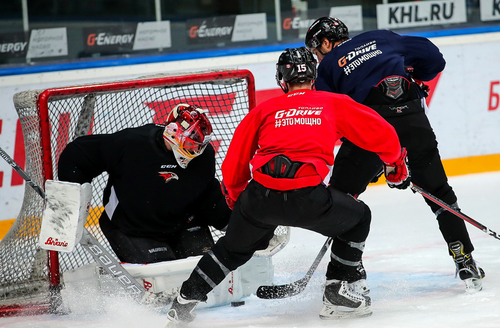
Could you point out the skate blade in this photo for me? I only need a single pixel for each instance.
(473, 285)
(331, 312)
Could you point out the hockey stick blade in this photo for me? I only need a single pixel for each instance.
(294, 288)
(450, 209)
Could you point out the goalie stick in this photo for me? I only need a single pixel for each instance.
(91, 245)
(294, 288)
(457, 212)
(85, 116)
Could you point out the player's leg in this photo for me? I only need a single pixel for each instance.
(352, 217)
(133, 249)
(244, 235)
(196, 240)
(354, 169)
(427, 172)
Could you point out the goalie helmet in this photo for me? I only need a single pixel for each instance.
(188, 131)
(296, 65)
(325, 27)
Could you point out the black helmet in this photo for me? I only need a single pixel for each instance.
(295, 65)
(326, 27)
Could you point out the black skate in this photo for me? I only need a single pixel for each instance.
(181, 312)
(340, 301)
(467, 268)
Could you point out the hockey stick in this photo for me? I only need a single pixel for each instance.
(85, 117)
(21, 172)
(294, 288)
(457, 212)
(90, 244)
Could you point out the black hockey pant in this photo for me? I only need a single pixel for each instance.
(134, 249)
(354, 169)
(259, 211)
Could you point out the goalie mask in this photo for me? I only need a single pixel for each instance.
(330, 28)
(296, 65)
(188, 131)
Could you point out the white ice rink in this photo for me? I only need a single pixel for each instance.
(411, 276)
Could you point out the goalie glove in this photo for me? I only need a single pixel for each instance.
(397, 174)
(229, 201)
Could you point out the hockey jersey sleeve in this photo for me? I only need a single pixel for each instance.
(367, 129)
(212, 206)
(421, 54)
(86, 157)
(236, 171)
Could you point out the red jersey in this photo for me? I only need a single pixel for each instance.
(303, 125)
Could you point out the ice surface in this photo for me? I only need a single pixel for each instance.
(411, 276)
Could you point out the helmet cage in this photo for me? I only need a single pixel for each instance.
(188, 131)
(296, 65)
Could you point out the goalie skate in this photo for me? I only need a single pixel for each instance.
(340, 301)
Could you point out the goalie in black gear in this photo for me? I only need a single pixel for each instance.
(162, 194)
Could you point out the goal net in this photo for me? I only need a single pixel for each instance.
(30, 276)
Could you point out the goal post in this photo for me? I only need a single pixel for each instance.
(52, 118)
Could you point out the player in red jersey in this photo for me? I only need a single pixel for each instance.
(276, 172)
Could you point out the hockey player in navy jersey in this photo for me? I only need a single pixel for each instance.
(162, 194)
(384, 71)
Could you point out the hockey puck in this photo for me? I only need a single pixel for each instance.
(236, 304)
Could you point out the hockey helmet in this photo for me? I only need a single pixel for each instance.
(325, 27)
(188, 131)
(295, 65)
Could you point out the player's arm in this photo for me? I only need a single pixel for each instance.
(368, 130)
(425, 58)
(212, 206)
(236, 166)
(82, 160)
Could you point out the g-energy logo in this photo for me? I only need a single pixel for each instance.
(361, 54)
(105, 39)
(296, 23)
(12, 47)
(203, 31)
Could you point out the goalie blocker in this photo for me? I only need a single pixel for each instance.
(66, 209)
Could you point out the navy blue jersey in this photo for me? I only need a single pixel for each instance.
(148, 194)
(360, 63)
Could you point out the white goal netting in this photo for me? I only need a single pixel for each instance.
(49, 119)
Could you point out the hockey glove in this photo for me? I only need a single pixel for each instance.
(229, 201)
(397, 174)
(425, 88)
